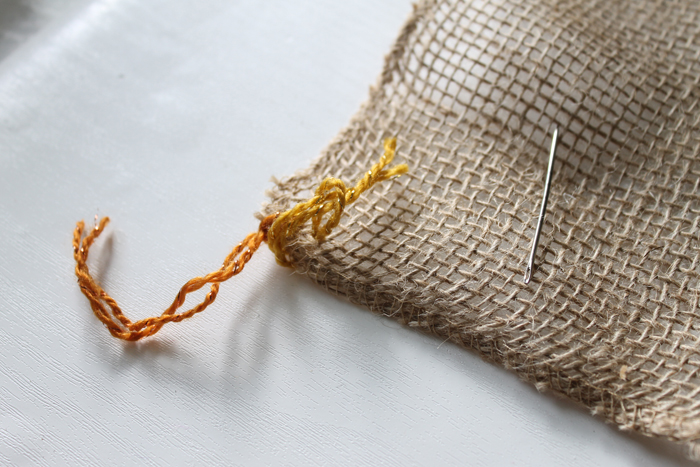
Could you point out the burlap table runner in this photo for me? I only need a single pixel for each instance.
(472, 91)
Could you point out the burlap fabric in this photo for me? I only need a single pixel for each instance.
(472, 91)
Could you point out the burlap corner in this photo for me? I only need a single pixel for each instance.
(472, 91)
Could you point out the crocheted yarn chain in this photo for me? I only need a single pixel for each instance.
(331, 197)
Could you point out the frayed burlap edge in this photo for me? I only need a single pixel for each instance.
(314, 261)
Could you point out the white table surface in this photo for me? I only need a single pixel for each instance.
(171, 117)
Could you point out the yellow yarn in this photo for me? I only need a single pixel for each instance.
(331, 197)
(278, 230)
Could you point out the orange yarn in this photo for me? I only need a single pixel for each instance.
(122, 327)
(331, 196)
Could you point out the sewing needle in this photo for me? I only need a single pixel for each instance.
(543, 208)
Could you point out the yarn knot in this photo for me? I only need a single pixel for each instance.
(331, 198)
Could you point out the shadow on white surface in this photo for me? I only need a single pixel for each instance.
(20, 20)
(324, 381)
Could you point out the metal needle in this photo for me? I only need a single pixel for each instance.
(543, 208)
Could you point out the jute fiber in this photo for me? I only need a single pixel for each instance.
(472, 91)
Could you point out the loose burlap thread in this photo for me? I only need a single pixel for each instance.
(472, 91)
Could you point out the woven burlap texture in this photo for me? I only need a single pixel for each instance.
(472, 91)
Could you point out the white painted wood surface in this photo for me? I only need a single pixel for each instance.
(171, 117)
